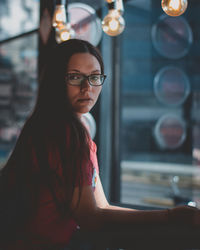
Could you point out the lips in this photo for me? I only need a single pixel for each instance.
(84, 99)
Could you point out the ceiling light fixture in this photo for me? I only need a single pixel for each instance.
(61, 22)
(174, 7)
(113, 24)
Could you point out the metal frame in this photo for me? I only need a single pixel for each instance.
(109, 125)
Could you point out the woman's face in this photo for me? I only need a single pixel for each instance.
(84, 96)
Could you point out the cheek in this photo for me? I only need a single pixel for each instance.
(71, 93)
(97, 91)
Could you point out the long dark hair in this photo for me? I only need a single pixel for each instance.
(53, 140)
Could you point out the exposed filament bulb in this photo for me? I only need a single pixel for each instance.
(113, 24)
(64, 33)
(59, 16)
(174, 7)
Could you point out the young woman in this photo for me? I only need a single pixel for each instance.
(53, 166)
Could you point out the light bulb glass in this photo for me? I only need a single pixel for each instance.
(174, 7)
(109, 1)
(113, 24)
(59, 16)
(64, 33)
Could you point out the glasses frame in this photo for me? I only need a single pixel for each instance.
(85, 77)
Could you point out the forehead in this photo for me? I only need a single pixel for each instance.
(83, 61)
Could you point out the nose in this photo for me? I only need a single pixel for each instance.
(85, 85)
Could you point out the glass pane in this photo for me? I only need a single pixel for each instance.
(18, 86)
(160, 126)
(18, 17)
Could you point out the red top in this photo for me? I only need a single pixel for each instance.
(47, 228)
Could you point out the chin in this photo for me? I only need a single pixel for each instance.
(83, 111)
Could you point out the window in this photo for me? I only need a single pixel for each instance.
(18, 17)
(18, 69)
(160, 126)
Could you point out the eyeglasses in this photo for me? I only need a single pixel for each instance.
(77, 79)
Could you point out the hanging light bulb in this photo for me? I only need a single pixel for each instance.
(174, 7)
(63, 29)
(64, 32)
(59, 16)
(113, 24)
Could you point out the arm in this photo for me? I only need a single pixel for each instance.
(94, 211)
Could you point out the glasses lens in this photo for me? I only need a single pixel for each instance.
(96, 79)
(75, 79)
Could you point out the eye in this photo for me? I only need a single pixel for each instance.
(94, 77)
(74, 77)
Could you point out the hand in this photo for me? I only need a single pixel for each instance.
(184, 215)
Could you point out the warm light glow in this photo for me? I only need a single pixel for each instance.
(59, 16)
(64, 33)
(109, 1)
(174, 7)
(63, 28)
(174, 4)
(113, 24)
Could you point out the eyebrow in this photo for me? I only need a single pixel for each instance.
(94, 71)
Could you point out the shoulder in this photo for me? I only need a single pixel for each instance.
(93, 146)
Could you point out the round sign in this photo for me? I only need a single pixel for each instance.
(85, 22)
(171, 86)
(172, 37)
(170, 131)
